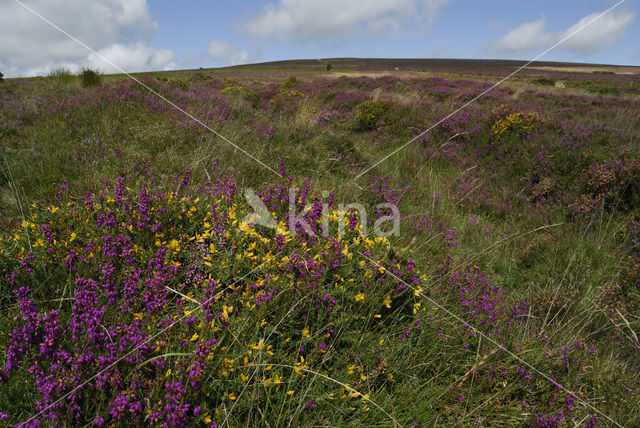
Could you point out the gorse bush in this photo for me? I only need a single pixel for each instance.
(508, 121)
(181, 84)
(247, 93)
(90, 77)
(283, 99)
(230, 81)
(289, 83)
(369, 114)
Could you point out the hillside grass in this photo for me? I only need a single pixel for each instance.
(519, 216)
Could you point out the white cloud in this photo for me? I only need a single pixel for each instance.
(241, 57)
(118, 29)
(533, 37)
(524, 39)
(138, 56)
(596, 36)
(223, 52)
(304, 20)
(220, 51)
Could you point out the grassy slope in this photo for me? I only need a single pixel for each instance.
(501, 204)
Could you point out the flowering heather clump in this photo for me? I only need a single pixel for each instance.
(613, 184)
(107, 286)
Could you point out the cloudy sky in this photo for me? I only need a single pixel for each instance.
(141, 35)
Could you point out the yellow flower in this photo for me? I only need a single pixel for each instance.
(173, 245)
(305, 332)
(194, 337)
(207, 419)
(387, 302)
(260, 345)
(360, 297)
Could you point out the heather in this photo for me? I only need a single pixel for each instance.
(134, 293)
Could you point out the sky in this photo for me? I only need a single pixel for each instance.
(145, 35)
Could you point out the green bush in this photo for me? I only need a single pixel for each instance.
(545, 81)
(329, 66)
(599, 88)
(1, 77)
(90, 77)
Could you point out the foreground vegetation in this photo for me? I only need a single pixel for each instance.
(132, 292)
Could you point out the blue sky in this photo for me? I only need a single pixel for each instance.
(140, 35)
(456, 29)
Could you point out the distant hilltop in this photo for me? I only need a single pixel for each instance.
(466, 66)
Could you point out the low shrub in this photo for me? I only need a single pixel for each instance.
(507, 121)
(181, 84)
(612, 185)
(289, 83)
(369, 114)
(281, 100)
(545, 81)
(90, 77)
(247, 93)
